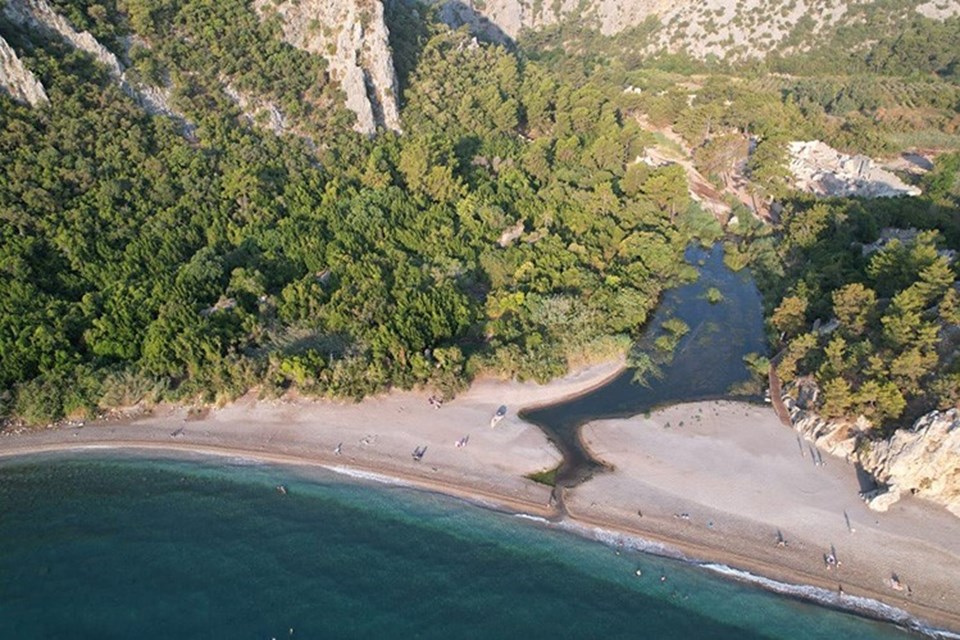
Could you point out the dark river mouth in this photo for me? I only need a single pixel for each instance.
(707, 363)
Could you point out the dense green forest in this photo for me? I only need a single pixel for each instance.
(874, 323)
(509, 230)
(865, 298)
(140, 263)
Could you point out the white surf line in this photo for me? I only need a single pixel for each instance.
(359, 474)
(857, 604)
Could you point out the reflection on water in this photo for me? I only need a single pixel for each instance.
(707, 362)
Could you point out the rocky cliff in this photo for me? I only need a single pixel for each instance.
(17, 80)
(352, 36)
(39, 15)
(836, 437)
(923, 460)
(724, 28)
(506, 18)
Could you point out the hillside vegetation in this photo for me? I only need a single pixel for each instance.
(141, 264)
(872, 314)
(509, 230)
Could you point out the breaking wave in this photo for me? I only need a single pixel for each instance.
(369, 476)
(537, 519)
(616, 539)
(864, 606)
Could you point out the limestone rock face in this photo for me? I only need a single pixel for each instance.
(508, 17)
(823, 171)
(836, 437)
(38, 14)
(924, 460)
(353, 37)
(17, 80)
(731, 29)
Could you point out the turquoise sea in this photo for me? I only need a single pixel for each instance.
(130, 547)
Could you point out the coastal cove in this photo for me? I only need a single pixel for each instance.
(728, 469)
(714, 480)
(277, 279)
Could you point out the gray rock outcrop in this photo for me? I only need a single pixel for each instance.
(506, 18)
(256, 109)
(836, 437)
(39, 15)
(17, 80)
(821, 170)
(730, 29)
(353, 37)
(923, 460)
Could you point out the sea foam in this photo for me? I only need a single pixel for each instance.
(617, 539)
(864, 606)
(537, 519)
(369, 476)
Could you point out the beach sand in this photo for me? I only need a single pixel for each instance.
(720, 479)
(717, 488)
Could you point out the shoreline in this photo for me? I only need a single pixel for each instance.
(722, 480)
(377, 435)
(793, 585)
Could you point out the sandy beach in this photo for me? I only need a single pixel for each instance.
(724, 480)
(714, 481)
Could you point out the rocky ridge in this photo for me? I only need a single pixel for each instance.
(502, 19)
(723, 28)
(17, 80)
(39, 15)
(923, 460)
(352, 36)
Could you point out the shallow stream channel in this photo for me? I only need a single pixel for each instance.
(707, 363)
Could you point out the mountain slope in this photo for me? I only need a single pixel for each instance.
(353, 37)
(17, 80)
(726, 29)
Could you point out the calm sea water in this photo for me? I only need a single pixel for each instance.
(95, 547)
